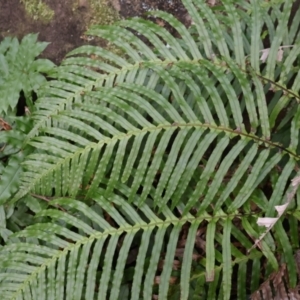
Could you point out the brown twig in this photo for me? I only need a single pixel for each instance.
(47, 199)
(280, 211)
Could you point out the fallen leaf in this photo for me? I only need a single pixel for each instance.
(267, 222)
(4, 125)
(265, 54)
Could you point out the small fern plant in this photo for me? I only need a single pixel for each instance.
(20, 71)
(155, 165)
(22, 75)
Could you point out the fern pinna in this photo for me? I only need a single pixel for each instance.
(156, 163)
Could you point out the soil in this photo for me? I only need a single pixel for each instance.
(72, 18)
(63, 32)
(132, 8)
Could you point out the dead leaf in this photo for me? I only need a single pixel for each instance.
(270, 222)
(296, 181)
(172, 280)
(265, 54)
(280, 54)
(281, 209)
(4, 125)
(210, 277)
(160, 23)
(267, 222)
(212, 2)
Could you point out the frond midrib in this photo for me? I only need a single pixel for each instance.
(145, 64)
(113, 231)
(232, 133)
(89, 87)
(97, 84)
(139, 65)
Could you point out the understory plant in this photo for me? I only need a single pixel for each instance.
(22, 75)
(148, 175)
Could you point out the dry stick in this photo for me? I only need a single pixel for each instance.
(48, 200)
(280, 209)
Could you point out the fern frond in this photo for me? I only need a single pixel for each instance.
(175, 133)
(79, 255)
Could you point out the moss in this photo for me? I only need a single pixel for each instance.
(114, 49)
(38, 10)
(102, 13)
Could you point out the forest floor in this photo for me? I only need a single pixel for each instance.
(63, 23)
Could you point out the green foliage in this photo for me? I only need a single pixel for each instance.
(157, 164)
(20, 70)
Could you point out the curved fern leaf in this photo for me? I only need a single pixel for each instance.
(198, 129)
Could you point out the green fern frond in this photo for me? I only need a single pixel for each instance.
(176, 132)
(78, 255)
